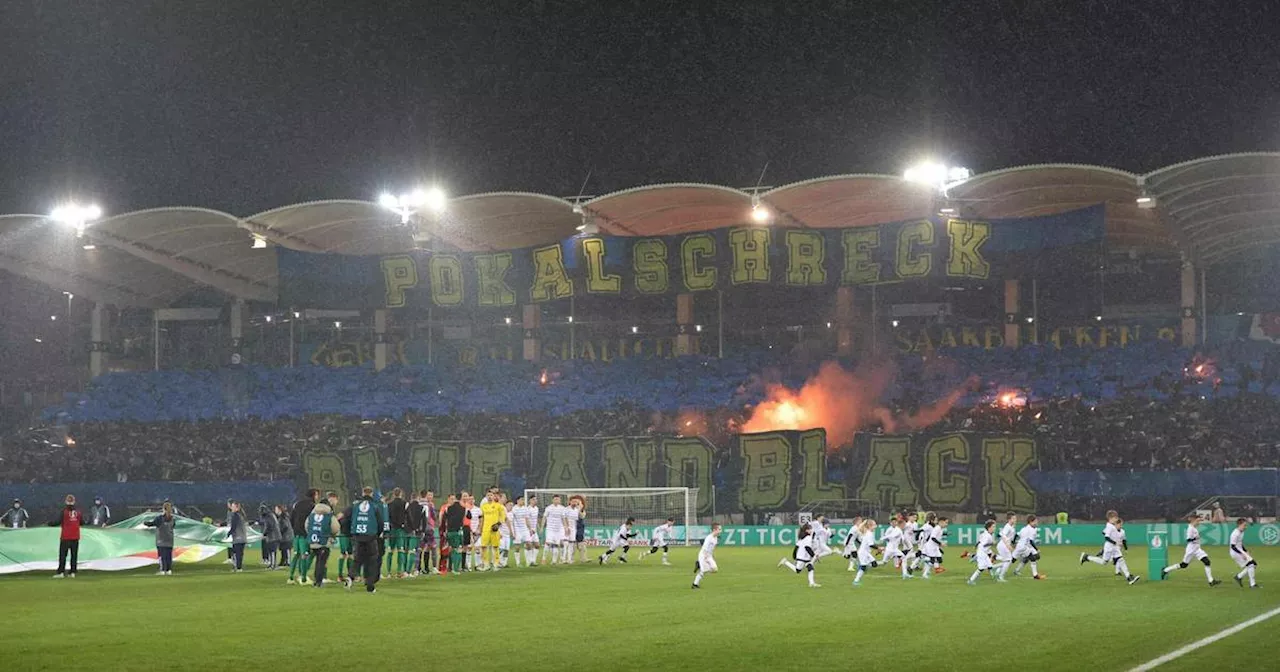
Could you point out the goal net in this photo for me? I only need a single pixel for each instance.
(608, 508)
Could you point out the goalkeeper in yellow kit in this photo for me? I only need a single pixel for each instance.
(494, 513)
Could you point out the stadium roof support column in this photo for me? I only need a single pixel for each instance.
(380, 339)
(237, 330)
(1012, 330)
(684, 324)
(845, 314)
(1188, 304)
(97, 344)
(532, 323)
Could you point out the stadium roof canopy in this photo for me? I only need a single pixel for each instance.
(1208, 210)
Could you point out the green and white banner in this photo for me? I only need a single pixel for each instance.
(1085, 535)
(128, 544)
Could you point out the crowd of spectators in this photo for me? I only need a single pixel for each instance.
(1149, 407)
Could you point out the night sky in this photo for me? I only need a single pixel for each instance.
(247, 105)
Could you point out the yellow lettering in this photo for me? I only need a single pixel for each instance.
(887, 480)
(993, 337)
(550, 279)
(649, 260)
(967, 239)
(859, 267)
(1006, 461)
(942, 487)
(806, 258)
(693, 250)
(491, 273)
(766, 480)
(969, 337)
(1104, 335)
(598, 282)
(750, 249)
(445, 271)
(398, 274)
(911, 264)
(948, 339)
(1083, 337)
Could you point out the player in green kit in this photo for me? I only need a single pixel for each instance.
(299, 560)
(398, 537)
(344, 535)
(322, 526)
(367, 524)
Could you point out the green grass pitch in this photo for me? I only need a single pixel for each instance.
(643, 616)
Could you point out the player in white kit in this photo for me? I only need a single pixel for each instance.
(1193, 552)
(706, 562)
(531, 521)
(923, 533)
(660, 538)
(571, 515)
(1241, 555)
(553, 529)
(893, 547)
(1004, 547)
(821, 537)
(982, 552)
(1027, 550)
(505, 534)
(803, 555)
(621, 539)
(866, 550)
(519, 533)
(1111, 547)
(850, 549)
(931, 546)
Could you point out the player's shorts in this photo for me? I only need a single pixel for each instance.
(1111, 553)
(489, 539)
(822, 550)
(521, 536)
(398, 540)
(580, 536)
(300, 546)
(984, 561)
(865, 558)
(707, 564)
(413, 541)
(455, 539)
(504, 543)
(429, 538)
(465, 539)
(1241, 559)
(1196, 554)
(554, 538)
(1003, 554)
(892, 554)
(344, 545)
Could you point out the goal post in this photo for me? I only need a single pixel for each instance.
(610, 507)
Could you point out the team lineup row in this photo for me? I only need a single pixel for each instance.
(909, 546)
(500, 532)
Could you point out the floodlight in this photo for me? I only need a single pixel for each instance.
(259, 243)
(76, 215)
(760, 214)
(936, 174)
(435, 199)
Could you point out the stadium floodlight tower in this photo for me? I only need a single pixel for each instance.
(76, 215)
(431, 200)
(936, 175)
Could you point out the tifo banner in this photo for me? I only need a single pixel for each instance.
(755, 473)
(724, 259)
(356, 352)
(1097, 335)
(128, 544)
(961, 537)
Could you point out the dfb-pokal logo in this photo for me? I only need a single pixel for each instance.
(1269, 535)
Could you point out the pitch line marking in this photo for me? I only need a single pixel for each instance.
(1178, 653)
